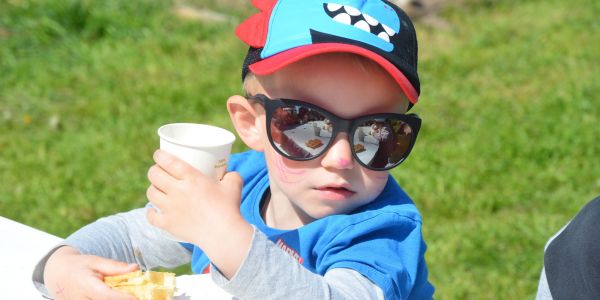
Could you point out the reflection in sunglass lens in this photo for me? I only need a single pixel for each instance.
(383, 142)
(300, 132)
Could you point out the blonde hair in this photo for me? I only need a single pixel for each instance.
(364, 64)
(249, 79)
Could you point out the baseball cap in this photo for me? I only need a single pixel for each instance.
(286, 31)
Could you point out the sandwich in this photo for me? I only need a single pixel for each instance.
(314, 143)
(149, 285)
(358, 148)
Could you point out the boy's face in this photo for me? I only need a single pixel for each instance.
(333, 183)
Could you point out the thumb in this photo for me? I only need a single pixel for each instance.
(99, 290)
(109, 267)
(233, 181)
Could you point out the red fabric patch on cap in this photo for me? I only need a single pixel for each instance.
(263, 4)
(280, 60)
(254, 30)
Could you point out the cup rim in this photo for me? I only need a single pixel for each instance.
(228, 138)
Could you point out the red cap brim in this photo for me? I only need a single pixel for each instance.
(271, 64)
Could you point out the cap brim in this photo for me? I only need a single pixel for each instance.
(271, 64)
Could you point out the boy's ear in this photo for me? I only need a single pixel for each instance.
(246, 121)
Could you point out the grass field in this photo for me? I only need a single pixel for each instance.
(508, 153)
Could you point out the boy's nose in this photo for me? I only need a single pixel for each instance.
(339, 155)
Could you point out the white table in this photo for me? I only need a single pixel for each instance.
(303, 134)
(21, 249)
(24, 246)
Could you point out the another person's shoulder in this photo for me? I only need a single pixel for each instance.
(572, 270)
(582, 228)
(592, 208)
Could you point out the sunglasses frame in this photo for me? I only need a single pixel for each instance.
(339, 124)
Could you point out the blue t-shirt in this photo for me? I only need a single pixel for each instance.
(381, 240)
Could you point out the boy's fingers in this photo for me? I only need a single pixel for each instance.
(156, 196)
(161, 179)
(109, 267)
(172, 165)
(116, 295)
(99, 290)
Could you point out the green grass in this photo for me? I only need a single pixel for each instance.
(508, 151)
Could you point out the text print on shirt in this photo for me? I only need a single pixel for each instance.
(287, 249)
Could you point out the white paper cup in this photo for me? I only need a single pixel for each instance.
(205, 147)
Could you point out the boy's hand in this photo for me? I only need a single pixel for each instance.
(71, 275)
(198, 209)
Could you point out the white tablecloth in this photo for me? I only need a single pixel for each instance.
(23, 246)
(303, 134)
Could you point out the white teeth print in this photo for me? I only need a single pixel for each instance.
(365, 22)
(363, 25)
(382, 35)
(351, 10)
(343, 18)
(370, 20)
(333, 7)
(389, 31)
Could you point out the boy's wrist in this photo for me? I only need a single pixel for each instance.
(227, 246)
(54, 265)
(60, 253)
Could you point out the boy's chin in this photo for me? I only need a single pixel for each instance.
(327, 211)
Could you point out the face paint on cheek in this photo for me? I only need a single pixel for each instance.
(287, 174)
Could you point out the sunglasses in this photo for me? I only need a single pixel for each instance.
(302, 131)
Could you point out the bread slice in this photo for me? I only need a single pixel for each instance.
(147, 285)
(314, 143)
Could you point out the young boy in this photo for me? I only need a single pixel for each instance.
(305, 214)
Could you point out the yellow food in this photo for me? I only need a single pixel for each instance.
(314, 143)
(358, 148)
(147, 285)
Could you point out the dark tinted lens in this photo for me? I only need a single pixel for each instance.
(383, 142)
(300, 132)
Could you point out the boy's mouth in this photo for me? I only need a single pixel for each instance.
(335, 192)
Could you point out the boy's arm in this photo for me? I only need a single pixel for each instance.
(269, 272)
(126, 237)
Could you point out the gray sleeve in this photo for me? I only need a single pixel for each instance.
(126, 237)
(543, 292)
(266, 266)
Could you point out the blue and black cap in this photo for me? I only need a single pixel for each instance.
(286, 31)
